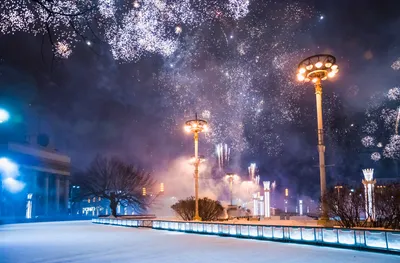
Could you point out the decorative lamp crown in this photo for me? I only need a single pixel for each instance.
(317, 68)
(267, 185)
(196, 125)
(368, 174)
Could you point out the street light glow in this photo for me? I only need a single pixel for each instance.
(12, 185)
(318, 64)
(316, 68)
(300, 77)
(8, 168)
(4, 115)
(196, 125)
(331, 74)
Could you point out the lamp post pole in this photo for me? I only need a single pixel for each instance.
(196, 126)
(321, 148)
(231, 177)
(196, 176)
(231, 188)
(316, 69)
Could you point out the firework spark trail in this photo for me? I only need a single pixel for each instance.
(389, 119)
(234, 90)
(397, 121)
(252, 171)
(238, 8)
(131, 30)
(223, 155)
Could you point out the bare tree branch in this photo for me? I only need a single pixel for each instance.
(118, 182)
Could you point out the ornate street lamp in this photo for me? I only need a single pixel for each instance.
(231, 177)
(316, 69)
(369, 184)
(196, 126)
(267, 201)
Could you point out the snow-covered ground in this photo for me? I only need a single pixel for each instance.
(86, 242)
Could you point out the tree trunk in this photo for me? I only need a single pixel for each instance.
(113, 205)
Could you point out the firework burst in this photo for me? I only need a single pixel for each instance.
(368, 141)
(233, 91)
(130, 29)
(375, 156)
(396, 64)
(386, 119)
(392, 149)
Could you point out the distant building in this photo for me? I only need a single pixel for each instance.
(35, 181)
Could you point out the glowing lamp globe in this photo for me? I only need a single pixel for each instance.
(317, 68)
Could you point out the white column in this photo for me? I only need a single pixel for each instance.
(261, 204)
(66, 195)
(301, 207)
(321, 149)
(57, 196)
(46, 194)
(267, 200)
(255, 204)
(369, 183)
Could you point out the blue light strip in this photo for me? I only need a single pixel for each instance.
(349, 238)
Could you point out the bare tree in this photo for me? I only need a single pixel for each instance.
(346, 206)
(387, 206)
(209, 210)
(118, 182)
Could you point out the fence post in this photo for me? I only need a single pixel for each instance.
(365, 239)
(315, 235)
(337, 236)
(301, 233)
(386, 238)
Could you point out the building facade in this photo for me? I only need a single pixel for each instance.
(35, 181)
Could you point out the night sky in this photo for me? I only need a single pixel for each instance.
(237, 70)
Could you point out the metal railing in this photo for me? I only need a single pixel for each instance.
(378, 240)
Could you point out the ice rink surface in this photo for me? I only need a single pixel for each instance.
(74, 242)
